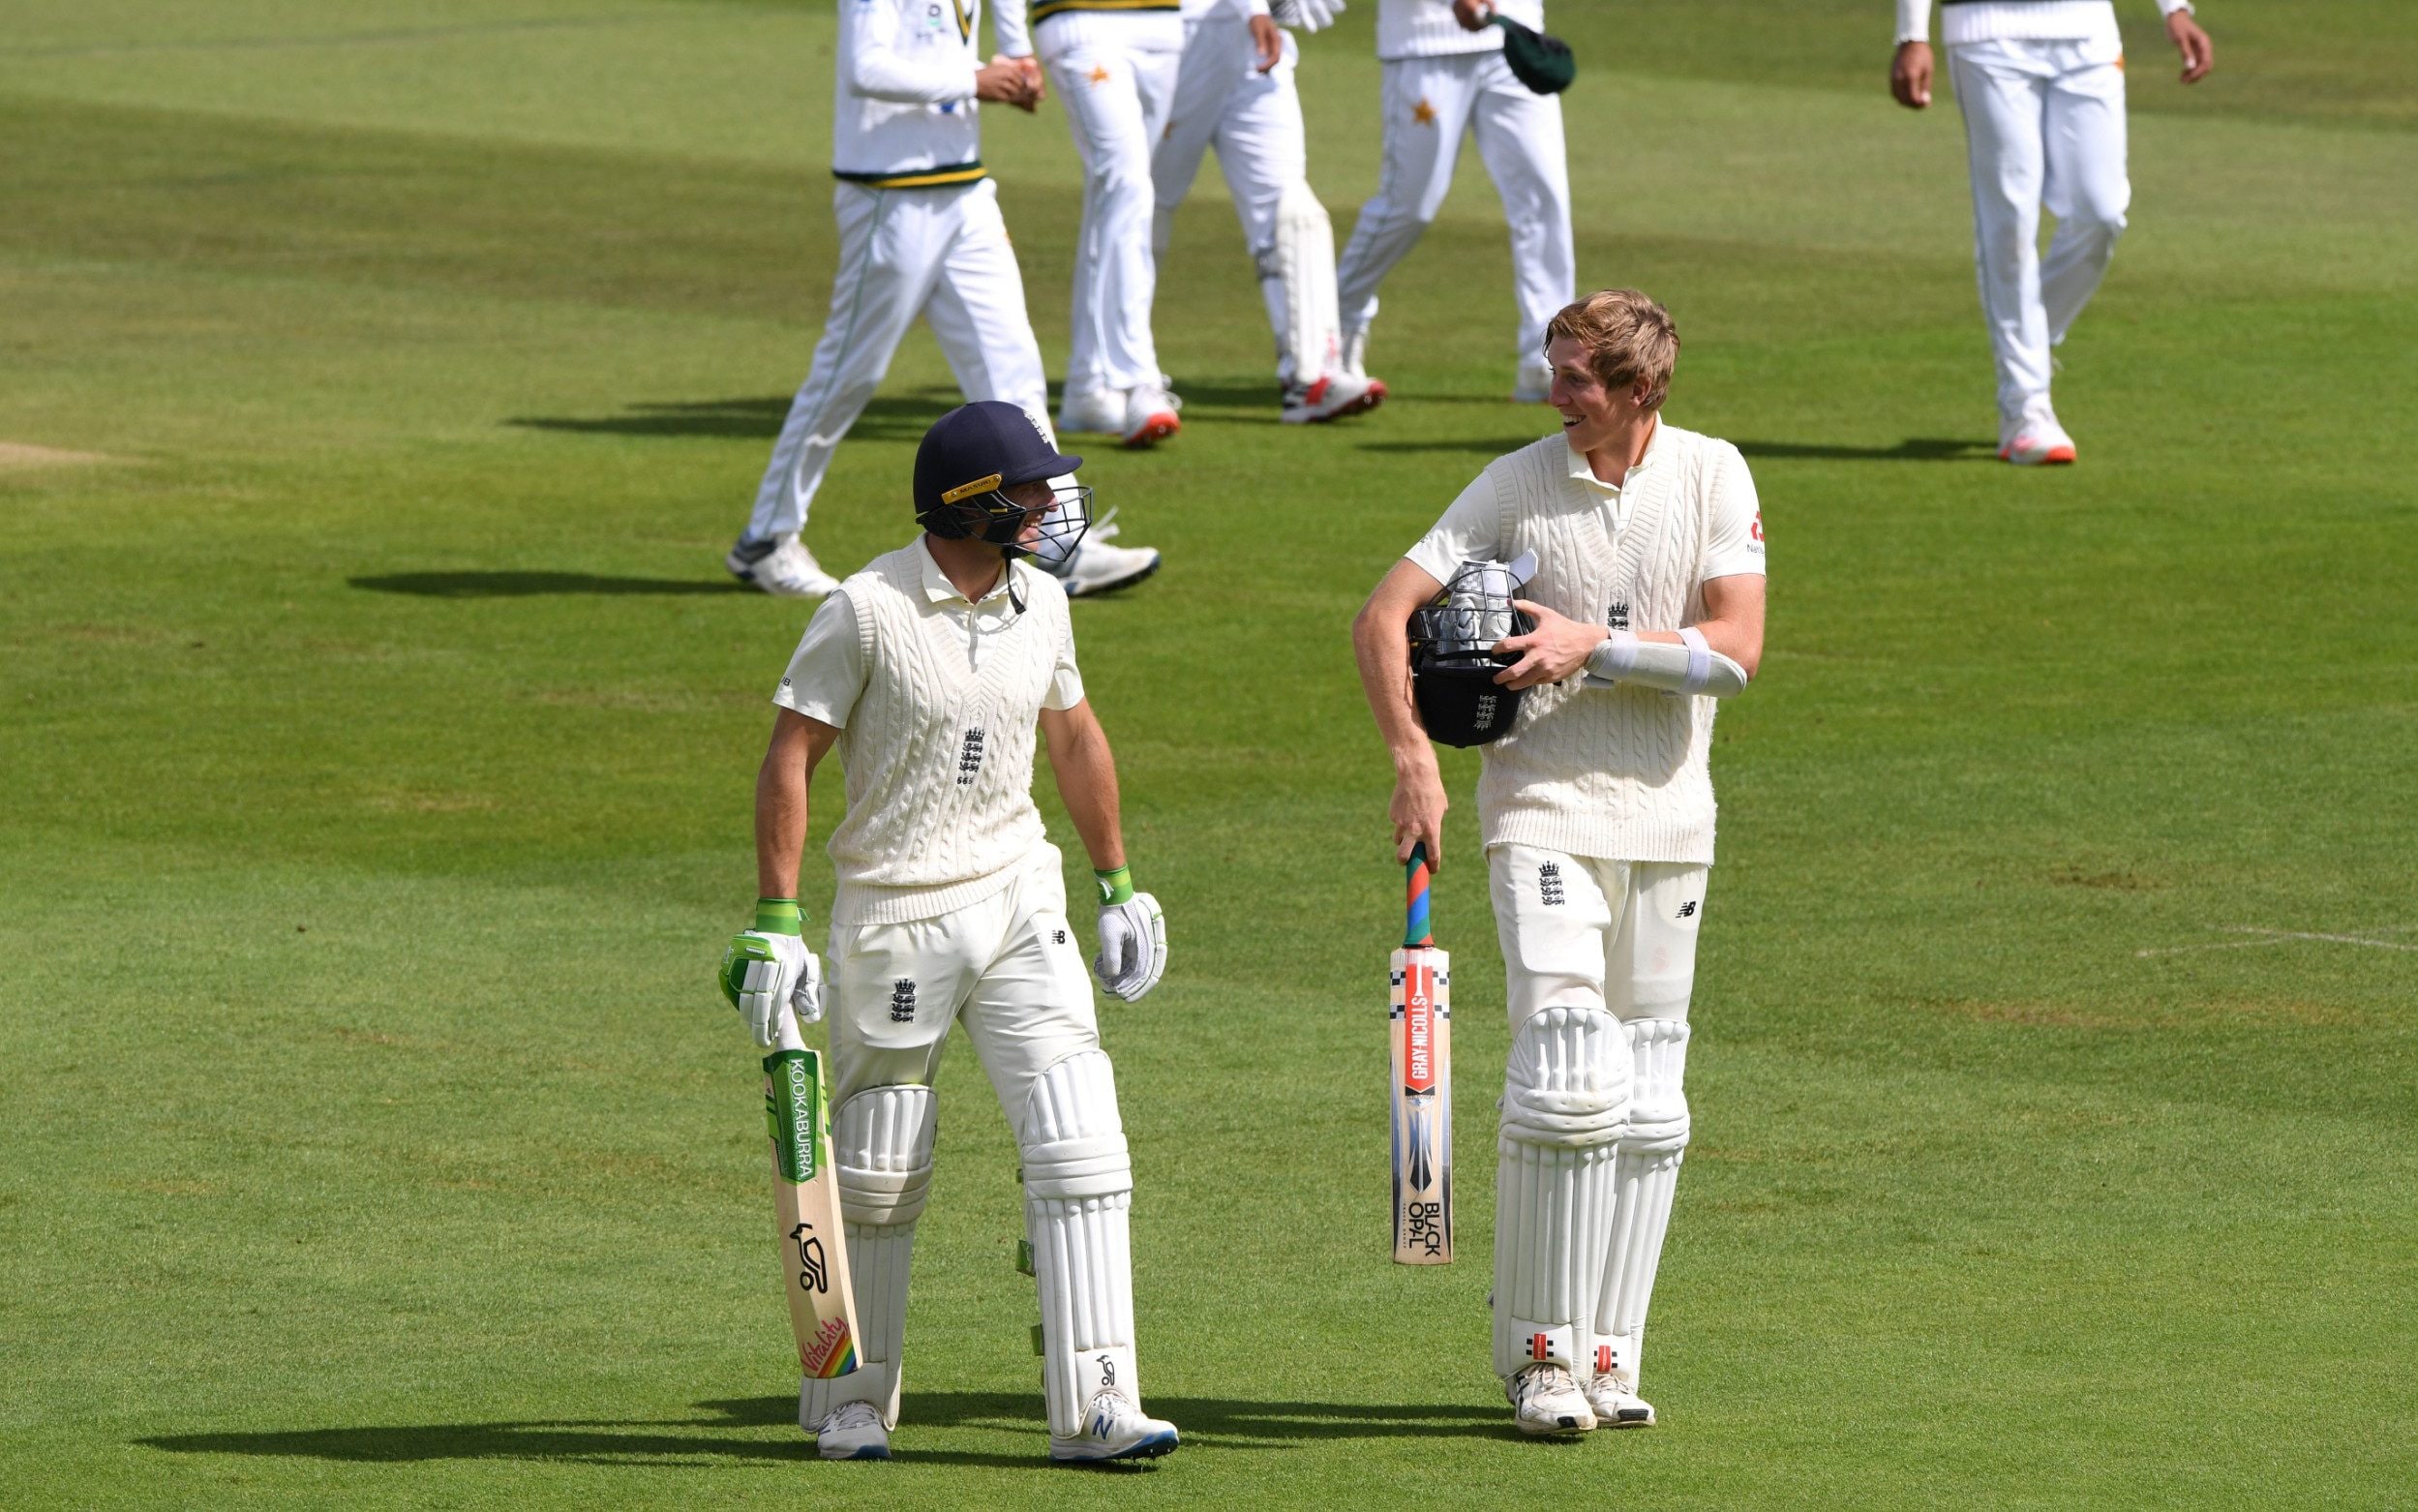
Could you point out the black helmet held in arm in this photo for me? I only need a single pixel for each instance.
(968, 461)
(1453, 660)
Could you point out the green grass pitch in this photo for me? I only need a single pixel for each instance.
(378, 727)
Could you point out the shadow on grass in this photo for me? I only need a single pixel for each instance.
(895, 417)
(1475, 447)
(733, 1431)
(1917, 449)
(526, 585)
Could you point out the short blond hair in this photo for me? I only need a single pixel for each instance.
(1629, 339)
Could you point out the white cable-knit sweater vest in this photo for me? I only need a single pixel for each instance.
(939, 747)
(1619, 773)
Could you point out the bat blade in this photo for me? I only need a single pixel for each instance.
(1421, 1099)
(805, 1214)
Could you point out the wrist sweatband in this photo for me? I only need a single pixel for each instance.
(1116, 887)
(779, 916)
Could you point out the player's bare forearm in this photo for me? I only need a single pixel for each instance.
(1381, 646)
(797, 747)
(1086, 771)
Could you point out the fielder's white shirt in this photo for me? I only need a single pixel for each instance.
(2018, 20)
(903, 108)
(1427, 29)
(935, 698)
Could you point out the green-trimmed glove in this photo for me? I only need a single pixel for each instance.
(1133, 937)
(769, 966)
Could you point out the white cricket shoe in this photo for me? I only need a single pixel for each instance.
(782, 567)
(852, 1432)
(1546, 1398)
(1353, 352)
(1615, 1405)
(1114, 1429)
(2034, 439)
(1150, 415)
(1099, 567)
(1331, 398)
(1534, 385)
(1097, 411)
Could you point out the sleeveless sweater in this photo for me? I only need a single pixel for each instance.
(1623, 772)
(938, 750)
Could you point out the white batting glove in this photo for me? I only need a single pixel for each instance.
(1310, 15)
(1133, 937)
(770, 965)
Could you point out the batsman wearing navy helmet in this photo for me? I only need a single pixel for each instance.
(1637, 548)
(927, 674)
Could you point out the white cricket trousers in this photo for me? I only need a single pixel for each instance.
(2043, 126)
(1429, 102)
(942, 254)
(1254, 121)
(1588, 942)
(1115, 74)
(1009, 969)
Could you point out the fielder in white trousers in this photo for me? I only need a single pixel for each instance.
(1430, 103)
(939, 254)
(1113, 64)
(2042, 86)
(1248, 107)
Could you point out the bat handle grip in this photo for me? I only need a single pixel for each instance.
(1416, 929)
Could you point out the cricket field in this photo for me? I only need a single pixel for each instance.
(380, 386)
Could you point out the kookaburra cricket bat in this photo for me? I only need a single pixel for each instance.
(1423, 1086)
(806, 1208)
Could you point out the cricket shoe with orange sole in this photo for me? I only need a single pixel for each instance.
(1331, 398)
(2035, 439)
(1150, 415)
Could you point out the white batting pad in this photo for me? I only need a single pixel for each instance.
(1566, 1091)
(1071, 1136)
(1305, 266)
(1077, 1188)
(1083, 1261)
(1644, 1181)
(883, 1139)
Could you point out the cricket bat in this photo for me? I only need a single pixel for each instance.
(806, 1208)
(1423, 1086)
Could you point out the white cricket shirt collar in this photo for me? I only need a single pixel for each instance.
(1584, 471)
(940, 590)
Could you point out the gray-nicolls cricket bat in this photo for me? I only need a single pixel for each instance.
(805, 1207)
(1422, 1096)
